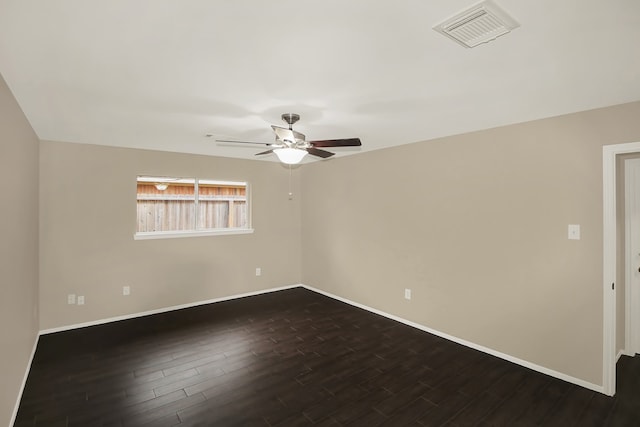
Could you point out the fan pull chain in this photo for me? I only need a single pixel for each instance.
(290, 191)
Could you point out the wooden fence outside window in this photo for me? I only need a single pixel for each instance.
(176, 207)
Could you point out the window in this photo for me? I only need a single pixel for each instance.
(176, 207)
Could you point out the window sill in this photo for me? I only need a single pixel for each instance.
(176, 234)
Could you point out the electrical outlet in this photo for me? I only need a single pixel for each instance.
(407, 294)
(71, 299)
(574, 231)
(258, 271)
(80, 300)
(126, 290)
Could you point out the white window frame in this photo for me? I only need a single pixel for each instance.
(149, 235)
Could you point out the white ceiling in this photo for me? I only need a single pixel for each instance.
(161, 74)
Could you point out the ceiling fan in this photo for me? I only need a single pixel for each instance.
(291, 146)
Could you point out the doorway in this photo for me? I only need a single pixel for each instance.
(632, 256)
(610, 155)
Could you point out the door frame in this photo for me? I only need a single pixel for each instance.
(631, 229)
(609, 270)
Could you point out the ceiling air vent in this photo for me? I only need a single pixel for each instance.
(479, 24)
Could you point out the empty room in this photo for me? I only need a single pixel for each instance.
(331, 214)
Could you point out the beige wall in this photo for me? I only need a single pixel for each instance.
(87, 221)
(19, 248)
(476, 226)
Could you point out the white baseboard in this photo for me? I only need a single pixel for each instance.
(504, 356)
(163, 310)
(521, 362)
(24, 382)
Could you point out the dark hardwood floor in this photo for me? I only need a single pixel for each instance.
(296, 358)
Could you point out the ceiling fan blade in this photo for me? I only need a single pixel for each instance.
(285, 134)
(348, 142)
(243, 142)
(264, 152)
(320, 153)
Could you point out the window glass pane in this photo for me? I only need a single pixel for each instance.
(222, 205)
(190, 204)
(165, 204)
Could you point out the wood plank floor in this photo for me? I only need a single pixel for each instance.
(296, 358)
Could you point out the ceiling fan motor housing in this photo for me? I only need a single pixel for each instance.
(290, 118)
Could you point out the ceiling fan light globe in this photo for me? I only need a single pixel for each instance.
(290, 156)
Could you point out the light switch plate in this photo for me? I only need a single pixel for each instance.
(574, 232)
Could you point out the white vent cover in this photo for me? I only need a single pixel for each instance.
(479, 24)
